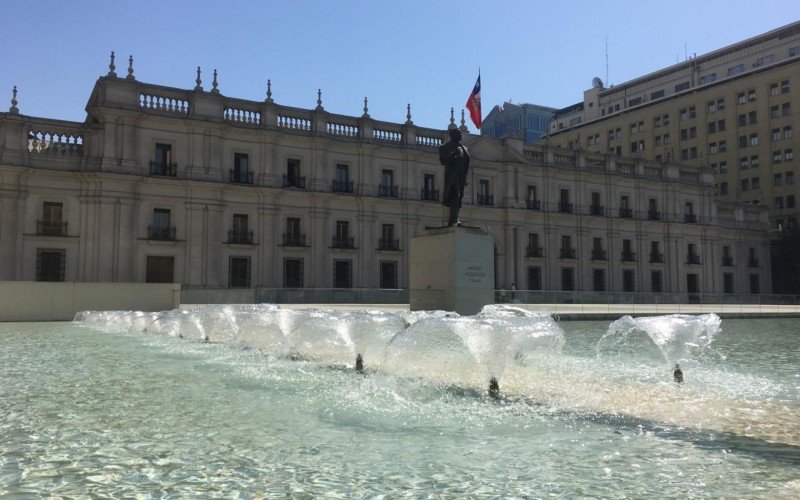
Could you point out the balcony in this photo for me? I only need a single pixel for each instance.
(429, 195)
(691, 218)
(533, 204)
(727, 261)
(656, 258)
(692, 259)
(653, 215)
(628, 256)
(752, 262)
(51, 228)
(163, 169)
(343, 242)
(342, 186)
(625, 213)
(599, 254)
(240, 176)
(387, 191)
(565, 207)
(567, 253)
(534, 252)
(595, 210)
(240, 237)
(486, 200)
(161, 233)
(389, 245)
(294, 181)
(294, 240)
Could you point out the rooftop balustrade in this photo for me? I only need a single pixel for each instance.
(66, 145)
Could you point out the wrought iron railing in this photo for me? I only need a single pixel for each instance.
(429, 195)
(388, 244)
(241, 176)
(342, 186)
(294, 240)
(240, 237)
(343, 242)
(163, 169)
(294, 181)
(161, 233)
(51, 228)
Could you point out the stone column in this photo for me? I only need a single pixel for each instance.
(268, 237)
(9, 234)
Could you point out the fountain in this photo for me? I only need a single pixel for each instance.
(502, 345)
(269, 401)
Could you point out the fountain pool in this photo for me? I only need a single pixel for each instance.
(123, 403)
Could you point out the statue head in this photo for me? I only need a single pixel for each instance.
(455, 134)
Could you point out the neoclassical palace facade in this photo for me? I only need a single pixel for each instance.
(191, 186)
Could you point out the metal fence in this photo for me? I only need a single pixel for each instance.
(552, 297)
(195, 295)
(191, 295)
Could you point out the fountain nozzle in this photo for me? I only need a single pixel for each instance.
(359, 363)
(494, 388)
(677, 374)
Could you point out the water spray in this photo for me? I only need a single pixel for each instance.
(494, 388)
(677, 374)
(359, 363)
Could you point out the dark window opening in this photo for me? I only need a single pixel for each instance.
(160, 269)
(50, 264)
(389, 274)
(342, 274)
(292, 273)
(239, 272)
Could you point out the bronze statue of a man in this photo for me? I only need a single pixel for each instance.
(455, 158)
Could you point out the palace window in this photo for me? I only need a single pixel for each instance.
(567, 279)
(159, 269)
(238, 272)
(656, 281)
(50, 264)
(292, 272)
(342, 273)
(388, 274)
(534, 278)
(628, 281)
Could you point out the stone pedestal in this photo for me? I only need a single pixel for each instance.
(452, 268)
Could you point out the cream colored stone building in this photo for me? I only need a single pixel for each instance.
(165, 184)
(735, 109)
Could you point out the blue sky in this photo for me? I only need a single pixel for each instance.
(426, 53)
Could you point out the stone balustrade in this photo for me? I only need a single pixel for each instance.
(163, 103)
(55, 142)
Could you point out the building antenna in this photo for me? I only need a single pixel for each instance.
(607, 82)
(685, 53)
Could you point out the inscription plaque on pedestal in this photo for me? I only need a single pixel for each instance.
(452, 268)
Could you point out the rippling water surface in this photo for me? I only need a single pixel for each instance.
(121, 413)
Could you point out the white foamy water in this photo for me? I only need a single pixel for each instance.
(261, 401)
(631, 376)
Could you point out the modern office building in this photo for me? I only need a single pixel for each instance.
(161, 184)
(734, 110)
(528, 122)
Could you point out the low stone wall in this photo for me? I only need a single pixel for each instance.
(41, 301)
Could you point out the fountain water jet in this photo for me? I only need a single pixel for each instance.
(442, 350)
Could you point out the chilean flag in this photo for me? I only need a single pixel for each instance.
(474, 103)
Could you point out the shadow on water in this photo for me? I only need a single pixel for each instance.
(705, 439)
